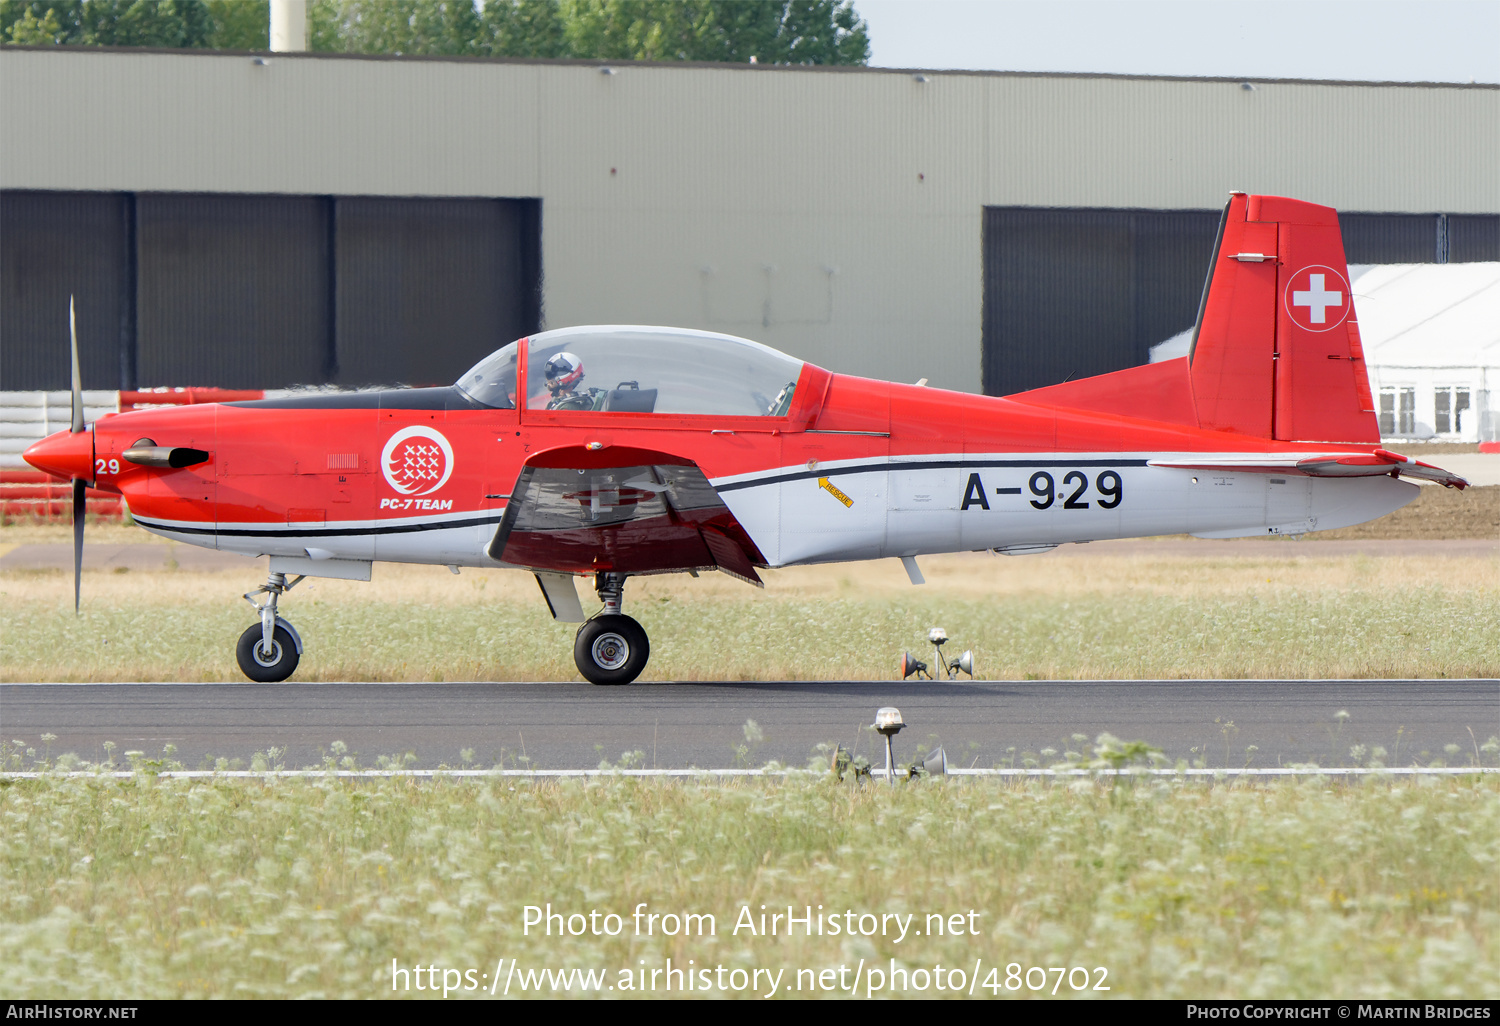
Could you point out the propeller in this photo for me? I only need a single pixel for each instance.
(80, 506)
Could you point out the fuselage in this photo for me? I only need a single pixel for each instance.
(856, 469)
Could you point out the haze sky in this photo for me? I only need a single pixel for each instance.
(1363, 40)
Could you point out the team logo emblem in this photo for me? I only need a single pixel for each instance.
(417, 461)
(1317, 298)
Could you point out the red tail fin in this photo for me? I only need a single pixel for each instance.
(1276, 352)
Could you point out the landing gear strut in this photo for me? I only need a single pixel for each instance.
(611, 648)
(269, 651)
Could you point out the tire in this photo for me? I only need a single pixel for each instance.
(611, 649)
(284, 655)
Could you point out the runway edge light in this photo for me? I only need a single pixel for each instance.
(888, 722)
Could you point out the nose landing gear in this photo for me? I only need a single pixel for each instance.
(611, 648)
(269, 651)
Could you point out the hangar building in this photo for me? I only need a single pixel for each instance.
(262, 220)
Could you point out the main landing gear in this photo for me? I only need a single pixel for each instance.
(269, 651)
(611, 648)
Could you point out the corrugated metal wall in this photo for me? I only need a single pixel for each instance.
(52, 245)
(1473, 237)
(1390, 238)
(234, 290)
(426, 287)
(1420, 238)
(243, 291)
(1072, 293)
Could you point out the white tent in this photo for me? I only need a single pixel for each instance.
(1431, 335)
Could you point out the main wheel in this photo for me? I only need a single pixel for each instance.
(267, 669)
(611, 649)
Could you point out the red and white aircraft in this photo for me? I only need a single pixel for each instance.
(615, 451)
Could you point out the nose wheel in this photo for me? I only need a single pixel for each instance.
(612, 648)
(261, 665)
(269, 651)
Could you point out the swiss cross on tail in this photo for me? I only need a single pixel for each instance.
(1317, 298)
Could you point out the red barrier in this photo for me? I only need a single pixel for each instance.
(148, 398)
(31, 493)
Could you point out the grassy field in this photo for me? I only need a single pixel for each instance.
(157, 888)
(1049, 617)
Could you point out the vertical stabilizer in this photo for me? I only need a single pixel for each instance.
(1276, 353)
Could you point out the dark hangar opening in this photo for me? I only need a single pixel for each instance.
(1069, 293)
(261, 291)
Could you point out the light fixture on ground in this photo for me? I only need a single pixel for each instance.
(939, 637)
(888, 722)
(936, 764)
(910, 664)
(965, 662)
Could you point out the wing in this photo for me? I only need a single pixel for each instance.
(1355, 464)
(638, 511)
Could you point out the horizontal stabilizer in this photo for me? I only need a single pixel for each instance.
(1381, 462)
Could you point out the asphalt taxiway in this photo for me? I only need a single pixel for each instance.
(575, 725)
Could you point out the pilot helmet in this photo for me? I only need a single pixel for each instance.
(563, 371)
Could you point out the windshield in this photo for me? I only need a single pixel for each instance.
(657, 370)
(492, 381)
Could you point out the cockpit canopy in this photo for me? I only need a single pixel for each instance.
(627, 369)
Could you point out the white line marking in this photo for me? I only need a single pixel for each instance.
(242, 684)
(543, 774)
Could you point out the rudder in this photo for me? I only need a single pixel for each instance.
(1276, 351)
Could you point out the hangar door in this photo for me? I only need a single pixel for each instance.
(261, 291)
(1072, 293)
(1069, 293)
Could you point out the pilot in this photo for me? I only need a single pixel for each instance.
(564, 373)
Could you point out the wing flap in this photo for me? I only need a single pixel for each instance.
(575, 510)
(730, 557)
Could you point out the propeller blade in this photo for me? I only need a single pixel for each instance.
(79, 510)
(77, 424)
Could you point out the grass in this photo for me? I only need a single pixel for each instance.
(148, 887)
(1052, 617)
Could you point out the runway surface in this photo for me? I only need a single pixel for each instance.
(702, 724)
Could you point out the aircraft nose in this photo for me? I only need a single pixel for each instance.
(64, 454)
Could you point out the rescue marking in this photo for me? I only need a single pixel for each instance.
(833, 489)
